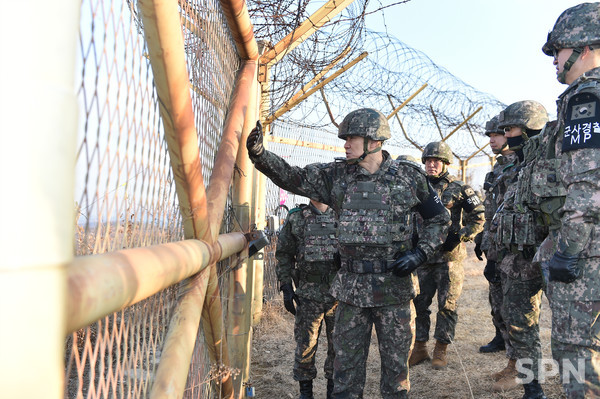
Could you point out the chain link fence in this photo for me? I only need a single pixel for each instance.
(125, 191)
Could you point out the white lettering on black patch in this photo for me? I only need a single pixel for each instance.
(582, 124)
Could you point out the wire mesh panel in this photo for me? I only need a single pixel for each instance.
(125, 192)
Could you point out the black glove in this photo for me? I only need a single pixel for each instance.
(563, 268)
(478, 251)
(289, 296)
(254, 143)
(490, 272)
(408, 262)
(451, 242)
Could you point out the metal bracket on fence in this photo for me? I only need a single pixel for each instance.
(257, 241)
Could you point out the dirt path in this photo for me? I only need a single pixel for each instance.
(467, 375)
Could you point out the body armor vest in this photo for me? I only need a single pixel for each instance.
(320, 238)
(376, 213)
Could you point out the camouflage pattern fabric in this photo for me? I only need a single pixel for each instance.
(494, 196)
(315, 268)
(406, 189)
(521, 311)
(351, 338)
(381, 205)
(495, 187)
(454, 194)
(310, 316)
(444, 272)
(447, 279)
(575, 231)
(496, 298)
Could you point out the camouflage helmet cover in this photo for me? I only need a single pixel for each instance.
(365, 122)
(527, 114)
(437, 149)
(577, 26)
(407, 157)
(492, 126)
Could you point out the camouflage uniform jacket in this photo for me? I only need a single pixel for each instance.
(376, 231)
(306, 246)
(520, 225)
(464, 204)
(495, 187)
(574, 227)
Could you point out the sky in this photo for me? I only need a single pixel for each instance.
(492, 45)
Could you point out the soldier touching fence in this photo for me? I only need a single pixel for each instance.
(374, 197)
(306, 254)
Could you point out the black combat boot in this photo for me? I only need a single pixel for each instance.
(533, 390)
(306, 390)
(495, 345)
(329, 388)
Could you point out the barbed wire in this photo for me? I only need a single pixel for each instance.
(390, 74)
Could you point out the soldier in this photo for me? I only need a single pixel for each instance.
(495, 188)
(444, 271)
(307, 246)
(374, 197)
(519, 233)
(569, 176)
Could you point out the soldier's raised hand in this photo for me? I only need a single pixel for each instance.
(254, 143)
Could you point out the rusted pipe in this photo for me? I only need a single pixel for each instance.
(241, 28)
(99, 285)
(222, 174)
(177, 352)
(162, 31)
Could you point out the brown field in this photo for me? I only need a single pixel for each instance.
(467, 375)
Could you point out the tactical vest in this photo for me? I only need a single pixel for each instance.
(376, 213)
(320, 236)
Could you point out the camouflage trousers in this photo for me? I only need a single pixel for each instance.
(394, 325)
(576, 346)
(447, 279)
(310, 315)
(521, 312)
(495, 297)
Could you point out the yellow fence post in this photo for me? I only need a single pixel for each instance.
(38, 108)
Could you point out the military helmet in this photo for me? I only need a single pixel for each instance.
(365, 122)
(527, 114)
(407, 157)
(577, 26)
(437, 149)
(492, 127)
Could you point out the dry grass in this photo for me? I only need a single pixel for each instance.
(467, 375)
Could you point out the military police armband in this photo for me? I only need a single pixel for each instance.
(582, 122)
(472, 200)
(432, 206)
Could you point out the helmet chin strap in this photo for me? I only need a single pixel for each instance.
(365, 152)
(562, 76)
(499, 151)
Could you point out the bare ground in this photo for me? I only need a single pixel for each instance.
(467, 375)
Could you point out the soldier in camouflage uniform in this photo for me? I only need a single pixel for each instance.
(374, 197)
(495, 188)
(567, 186)
(520, 232)
(307, 248)
(444, 271)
